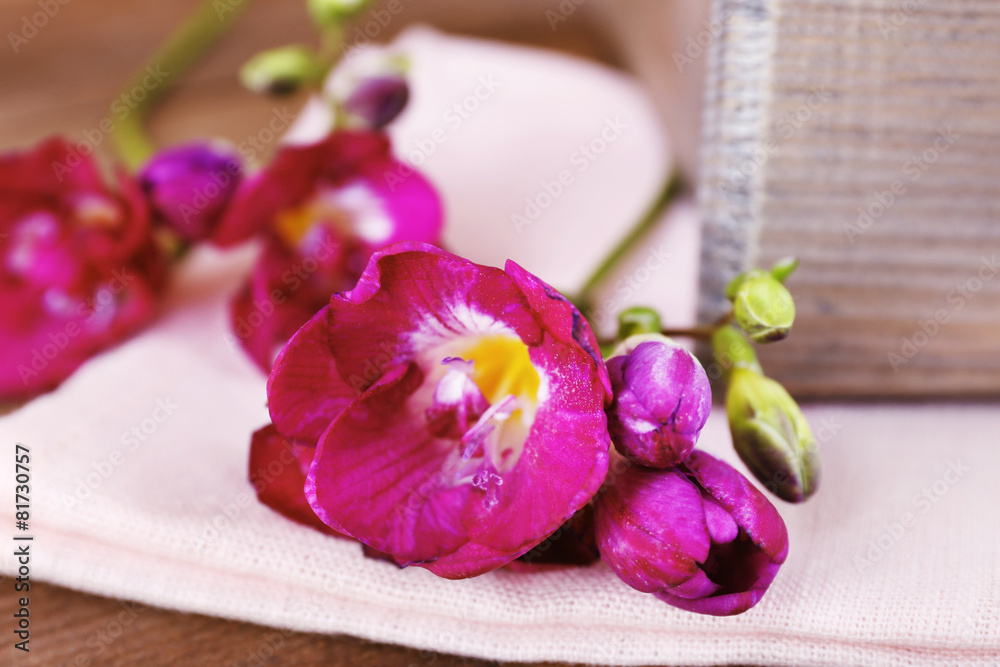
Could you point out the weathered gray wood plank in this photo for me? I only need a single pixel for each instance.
(864, 138)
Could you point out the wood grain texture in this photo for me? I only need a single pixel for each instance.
(79, 630)
(862, 137)
(63, 79)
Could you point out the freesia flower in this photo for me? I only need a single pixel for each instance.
(189, 187)
(662, 400)
(322, 211)
(457, 410)
(79, 270)
(698, 536)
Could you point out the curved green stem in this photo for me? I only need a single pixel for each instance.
(673, 187)
(701, 333)
(182, 49)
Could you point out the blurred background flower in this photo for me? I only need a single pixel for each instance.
(79, 268)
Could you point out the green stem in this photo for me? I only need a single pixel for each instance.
(673, 187)
(183, 48)
(330, 40)
(703, 333)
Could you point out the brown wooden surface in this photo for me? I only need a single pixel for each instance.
(825, 104)
(62, 81)
(65, 77)
(71, 628)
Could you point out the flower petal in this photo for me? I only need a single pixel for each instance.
(277, 474)
(419, 295)
(344, 158)
(565, 457)
(377, 476)
(381, 455)
(651, 528)
(560, 317)
(752, 511)
(305, 392)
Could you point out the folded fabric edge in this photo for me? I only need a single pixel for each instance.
(433, 632)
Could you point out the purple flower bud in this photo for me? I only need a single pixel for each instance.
(662, 401)
(189, 187)
(378, 100)
(698, 536)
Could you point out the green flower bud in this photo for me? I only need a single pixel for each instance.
(731, 349)
(734, 285)
(784, 268)
(763, 307)
(281, 71)
(327, 13)
(638, 320)
(772, 436)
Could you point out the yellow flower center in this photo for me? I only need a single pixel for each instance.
(503, 368)
(293, 224)
(353, 210)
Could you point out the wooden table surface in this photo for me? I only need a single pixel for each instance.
(61, 80)
(75, 629)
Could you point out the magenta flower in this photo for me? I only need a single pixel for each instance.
(662, 401)
(457, 410)
(278, 470)
(698, 536)
(79, 270)
(322, 210)
(189, 187)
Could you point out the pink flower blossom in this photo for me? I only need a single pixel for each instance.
(662, 401)
(322, 211)
(698, 536)
(79, 270)
(457, 410)
(189, 187)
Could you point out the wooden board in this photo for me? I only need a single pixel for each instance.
(79, 630)
(863, 138)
